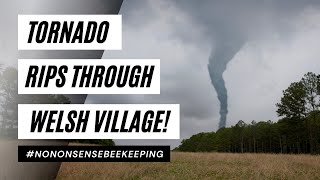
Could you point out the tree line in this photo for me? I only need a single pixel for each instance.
(297, 130)
(9, 100)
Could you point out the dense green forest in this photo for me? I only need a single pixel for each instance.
(297, 130)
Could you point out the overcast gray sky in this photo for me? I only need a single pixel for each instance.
(283, 44)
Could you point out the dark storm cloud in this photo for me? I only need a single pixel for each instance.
(230, 24)
(248, 18)
(184, 33)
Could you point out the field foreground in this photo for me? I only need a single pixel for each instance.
(202, 166)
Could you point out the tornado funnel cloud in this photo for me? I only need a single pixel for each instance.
(224, 51)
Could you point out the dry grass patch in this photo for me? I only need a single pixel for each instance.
(202, 166)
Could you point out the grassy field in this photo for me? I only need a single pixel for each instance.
(202, 166)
